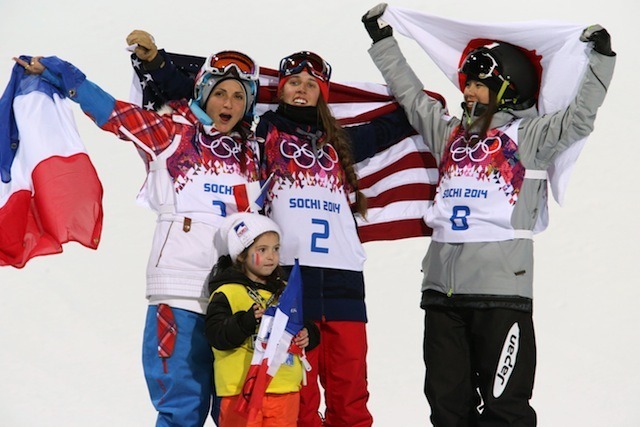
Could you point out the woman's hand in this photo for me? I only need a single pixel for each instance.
(145, 46)
(33, 67)
(302, 338)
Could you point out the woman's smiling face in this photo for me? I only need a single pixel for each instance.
(301, 89)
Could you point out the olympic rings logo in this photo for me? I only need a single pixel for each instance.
(303, 155)
(477, 150)
(222, 146)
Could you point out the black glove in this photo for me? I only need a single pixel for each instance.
(370, 20)
(600, 38)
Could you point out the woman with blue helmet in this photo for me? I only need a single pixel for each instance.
(195, 154)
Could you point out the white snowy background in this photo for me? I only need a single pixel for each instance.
(71, 324)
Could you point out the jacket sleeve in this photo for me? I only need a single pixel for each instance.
(121, 118)
(380, 133)
(546, 136)
(224, 329)
(314, 334)
(426, 114)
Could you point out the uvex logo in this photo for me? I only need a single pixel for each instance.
(507, 360)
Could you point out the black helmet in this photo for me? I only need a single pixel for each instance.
(507, 71)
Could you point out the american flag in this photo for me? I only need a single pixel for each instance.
(399, 181)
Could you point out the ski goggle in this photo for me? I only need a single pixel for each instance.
(480, 64)
(221, 63)
(296, 63)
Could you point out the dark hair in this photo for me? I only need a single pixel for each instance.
(483, 121)
(245, 133)
(338, 137)
(224, 263)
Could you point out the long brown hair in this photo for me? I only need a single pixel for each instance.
(483, 121)
(338, 137)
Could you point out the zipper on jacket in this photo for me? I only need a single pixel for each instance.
(454, 257)
(166, 239)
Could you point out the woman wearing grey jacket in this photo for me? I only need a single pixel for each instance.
(477, 289)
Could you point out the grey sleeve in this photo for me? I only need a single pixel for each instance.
(548, 135)
(425, 114)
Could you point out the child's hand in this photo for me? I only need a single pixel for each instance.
(257, 311)
(302, 338)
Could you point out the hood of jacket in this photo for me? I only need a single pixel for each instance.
(231, 275)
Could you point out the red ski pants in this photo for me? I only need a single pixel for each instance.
(339, 362)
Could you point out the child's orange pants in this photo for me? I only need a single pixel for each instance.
(278, 410)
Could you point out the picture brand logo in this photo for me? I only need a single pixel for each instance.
(507, 361)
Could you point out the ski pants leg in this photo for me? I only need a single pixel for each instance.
(180, 386)
(310, 393)
(342, 368)
(505, 349)
(449, 384)
(490, 350)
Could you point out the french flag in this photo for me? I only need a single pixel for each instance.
(273, 344)
(250, 197)
(50, 192)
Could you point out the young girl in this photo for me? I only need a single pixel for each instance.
(243, 285)
(195, 154)
(478, 272)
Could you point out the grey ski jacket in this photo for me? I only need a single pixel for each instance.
(486, 272)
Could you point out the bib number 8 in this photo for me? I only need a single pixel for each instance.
(459, 218)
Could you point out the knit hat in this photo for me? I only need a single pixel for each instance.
(242, 229)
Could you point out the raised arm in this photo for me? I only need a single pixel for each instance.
(172, 83)
(426, 114)
(554, 133)
(128, 121)
(378, 134)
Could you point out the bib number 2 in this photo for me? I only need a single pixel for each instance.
(318, 236)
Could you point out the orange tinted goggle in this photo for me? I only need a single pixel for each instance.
(220, 63)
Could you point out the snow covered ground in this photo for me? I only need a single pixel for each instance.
(71, 324)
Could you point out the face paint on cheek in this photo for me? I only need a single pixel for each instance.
(256, 259)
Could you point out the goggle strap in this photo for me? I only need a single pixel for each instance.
(503, 88)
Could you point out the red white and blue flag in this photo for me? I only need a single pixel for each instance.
(399, 182)
(50, 193)
(250, 196)
(273, 344)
